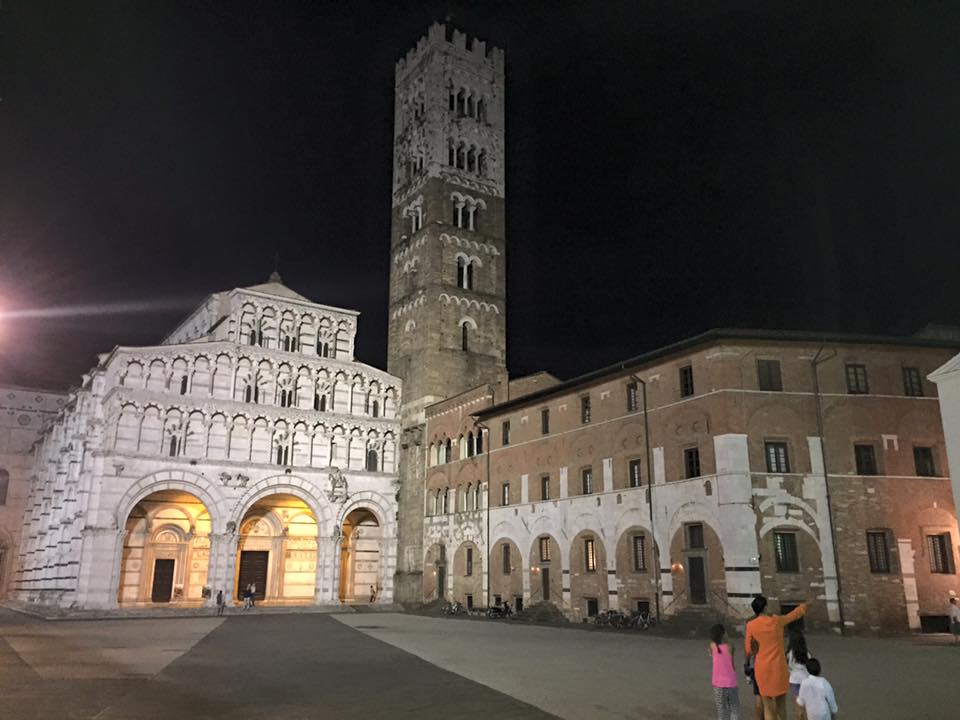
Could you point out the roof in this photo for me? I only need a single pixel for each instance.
(715, 335)
(275, 286)
(950, 367)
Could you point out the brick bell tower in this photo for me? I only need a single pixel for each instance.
(447, 248)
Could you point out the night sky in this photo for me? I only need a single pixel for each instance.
(671, 167)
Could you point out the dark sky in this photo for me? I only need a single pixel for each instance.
(671, 167)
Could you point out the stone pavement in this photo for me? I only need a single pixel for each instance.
(388, 665)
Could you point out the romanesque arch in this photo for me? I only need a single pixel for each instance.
(589, 593)
(468, 574)
(506, 571)
(546, 570)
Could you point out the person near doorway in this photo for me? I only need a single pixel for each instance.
(253, 594)
(725, 693)
(373, 593)
(955, 620)
(247, 597)
(797, 656)
(221, 602)
(770, 665)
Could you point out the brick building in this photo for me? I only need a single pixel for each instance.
(579, 495)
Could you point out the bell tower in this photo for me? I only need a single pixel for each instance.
(447, 324)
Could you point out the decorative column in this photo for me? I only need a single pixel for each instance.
(222, 565)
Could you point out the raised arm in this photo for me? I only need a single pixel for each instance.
(798, 612)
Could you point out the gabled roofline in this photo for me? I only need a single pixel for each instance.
(713, 336)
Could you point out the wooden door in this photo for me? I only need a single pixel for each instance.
(253, 569)
(697, 579)
(162, 589)
(441, 581)
(545, 583)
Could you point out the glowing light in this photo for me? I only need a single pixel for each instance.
(677, 567)
(117, 308)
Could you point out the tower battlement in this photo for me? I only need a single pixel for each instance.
(440, 36)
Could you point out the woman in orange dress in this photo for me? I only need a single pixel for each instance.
(770, 666)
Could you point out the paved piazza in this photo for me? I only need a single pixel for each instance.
(372, 665)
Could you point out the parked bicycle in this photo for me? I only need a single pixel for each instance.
(454, 608)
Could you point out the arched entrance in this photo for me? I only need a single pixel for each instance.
(546, 575)
(506, 572)
(468, 575)
(166, 550)
(277, 551)
(360, 543)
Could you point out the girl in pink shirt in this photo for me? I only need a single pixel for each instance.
(724, 676)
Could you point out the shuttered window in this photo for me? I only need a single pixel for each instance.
(878, 551)
(785, 550)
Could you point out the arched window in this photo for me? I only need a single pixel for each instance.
(461, 103)
(375, 408)
(282, 453)
(445, 500)
(4, 485)
(470, 446)
(373, 461)
(470, 105)
(461, 272)
(183, 385)
(482, 163)
(471, 160)
(173, 447)
(451, 154)
(248, 393)
(323, 403)
(448, 451)
(464, 338)
(481, 110)
(479, 441)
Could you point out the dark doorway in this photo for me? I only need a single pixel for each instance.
(518, 603)
(545, 580)
(593, 607)
(441, 581)
(253, 569)
(162, 581)
(698, 580)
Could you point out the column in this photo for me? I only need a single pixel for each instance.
(221, 566)
(563, 482)
(524, 489)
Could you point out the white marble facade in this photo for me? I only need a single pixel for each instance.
(249, 445)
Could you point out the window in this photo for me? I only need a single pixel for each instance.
(639, 553)
(174, 446)
(923, 460)
(373, 461)
(695, 536)
(878, 551)
(443, 553)
(282, 454)
(593, 607)
(545, 487)
(506, 559)
(866, 459)
(633, 473)
(505, 494)
(469, 601)
(768, 375)
(544, 543)
(941, 553)
(183, 385)
(785, 551)
(691, 462)
(585, 409)
(505, 432)
(631, 397)
(545, 421)
(857, 379)
(686, 381)
(464, 338)
(589, 555)
(4, 485)
(478, 443)
(912, 382)
(448, 451)
(464, 273)
(778, 461)
(586, 480)
(469, 561)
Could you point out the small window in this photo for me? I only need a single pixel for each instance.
(545, 421)
(469, 601)
(866, 459)
(695, 536)
(544, 543)
(545, 487)
(4, 485)
(586, 480)
(505, 494)
(878, 551)
(478, 442)
(506, 559)
(443, 553)
(778, 461)
(633, 473)
(912, 382)
(589, 555)
(686, 381)
(768, 375)
(469, 562)
(505, 432)
(464, 338)
(174, 446)
(593, 607)
(923, 460)
(631, 397)
(373, 461)
(183, 385)
(857, 379)
(639, 553)
(585, 409)
(691, 462)
(941, 553)
(785, 551)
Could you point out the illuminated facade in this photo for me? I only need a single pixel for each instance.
(250, 447)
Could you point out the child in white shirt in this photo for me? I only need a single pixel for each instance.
(816, 694)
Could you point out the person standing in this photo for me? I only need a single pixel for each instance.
(816, 694)
(770, 663)
(955, 620)
(797, 656)
(724, 676)
(253, 594)
(247, 597)
(221, 603)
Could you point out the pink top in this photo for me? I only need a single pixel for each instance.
(724, 676)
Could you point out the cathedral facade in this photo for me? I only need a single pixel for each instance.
(248, 448)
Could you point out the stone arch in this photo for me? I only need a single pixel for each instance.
(184, 480)
(709, 555)
(468, 576)
(286, 485)
(546, 569)
(508, 586)
(588, 573)
(635, 566)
